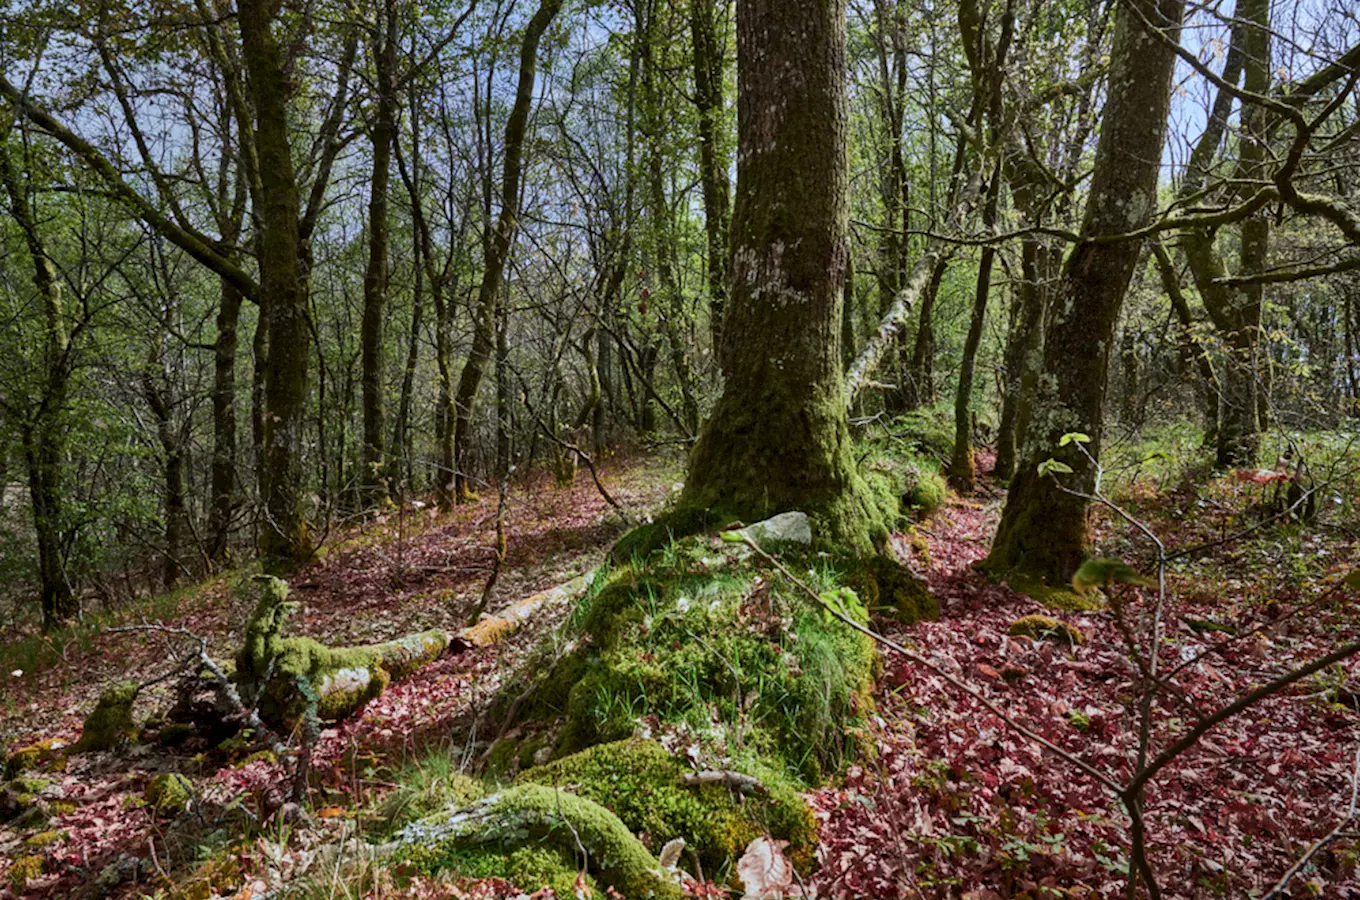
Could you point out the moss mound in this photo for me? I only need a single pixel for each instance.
(699, 636)
(889, 589)
(1040, 627)
(25, 869)
(643, 784)
(548, 821)
(110, 724)
(169, 793)
(30, 757)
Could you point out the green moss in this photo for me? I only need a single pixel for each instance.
(110, 724)
(1046, 627)
(169, 793)
(423, 793)
(25, 869)
(697, 635)
(889, 589)
(666, 528)
(1059, 598)
(642, 784)
(344, 678)
(543, 818)
(529, 868)
(44, 838)
(928, 493)
(29, 785)
(29, 757)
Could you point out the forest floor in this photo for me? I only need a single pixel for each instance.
(953, 805)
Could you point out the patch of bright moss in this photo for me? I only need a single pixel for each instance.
(642, 784)
(529, 868)
(29, 757)
(25, 869)
(697, 635)
(29, 785)
(1059, 598)
(169, 793)
(43, 838)
(1046, 627)
(109, 724)
(543, 817)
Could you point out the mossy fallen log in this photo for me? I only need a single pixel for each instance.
(288, 673)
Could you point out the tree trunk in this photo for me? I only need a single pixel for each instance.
(42, 434)
(1043, 534)
(962, 471)
(1024, 351)
(374, 478)
(779, 437)
(708, 99)
(223, 501)
(498, 247)
(284, 542)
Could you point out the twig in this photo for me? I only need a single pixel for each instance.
(1323, 841)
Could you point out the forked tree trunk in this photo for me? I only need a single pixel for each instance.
(1044, 532)
(779, 437)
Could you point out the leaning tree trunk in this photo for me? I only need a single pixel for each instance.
(498, 247)
(284, 541)
(1043, 533)
(779, 437)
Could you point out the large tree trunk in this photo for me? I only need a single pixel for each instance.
(284, 541)
(373, 479)
(1044, 532)
(708, 98)
(498, 247)
(779, 438)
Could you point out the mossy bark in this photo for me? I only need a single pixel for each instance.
(110, 724)
(1044, 532)
(779, 439)
(284, 669)
(284, 540)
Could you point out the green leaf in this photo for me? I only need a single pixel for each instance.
(1099, 572)
(1074, 437)
(735, 536)
(1053, 467)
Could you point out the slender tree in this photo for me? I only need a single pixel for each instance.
(1044, 532)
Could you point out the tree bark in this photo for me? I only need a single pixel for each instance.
(779, 437)
(374, 479)
(223, 479)
(42, 433)
(498, 247)
(1043, 533)
(284, 542)
(708, 99)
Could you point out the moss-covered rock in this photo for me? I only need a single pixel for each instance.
(644, 786)
(542, 818)
(28, 757)
(169, 793)
(175, 733)
(343, 678)
(530, 868)
(1040, 627)
(1059, 598)
(25, 869)
(109, 725)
